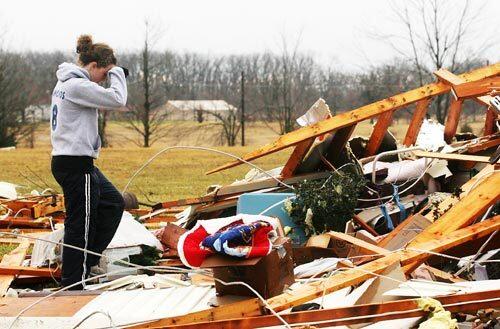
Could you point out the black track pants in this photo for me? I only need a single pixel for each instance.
(94, 208)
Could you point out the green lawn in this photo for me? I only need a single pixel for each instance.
(175, 174)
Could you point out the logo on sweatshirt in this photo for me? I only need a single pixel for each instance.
(58, 93)
(54, 117)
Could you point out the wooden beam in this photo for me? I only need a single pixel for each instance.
(23, 270)
(14, 258)
(476, 88)
(412, 259)
(416, 121)
(452, 156)
(450, 128)
(351, 276)
(360, 114)
(465, 211)
(63, 306)
(357, 220)
(484, 145)
(484, 100)
(362, 246)
(296, 158)
(364, 313)
(461, 88)
(443, 276)
(447, 77)
(404, 232)
(451, 200)
(378, 133)
(268, 183)
(489, 122)
(246, 308)
(339, 141)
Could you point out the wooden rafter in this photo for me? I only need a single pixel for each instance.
(450, 128)
(296, 158)
(335, 282)
(476, 88)
(416, 121)
(14, 258)
(339, 140)
(350, 315)
(365, 112)
(489, 122)
(379, 130)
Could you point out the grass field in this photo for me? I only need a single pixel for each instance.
(175, 174)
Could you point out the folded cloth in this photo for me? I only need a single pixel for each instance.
(243, 236)
(244, 241)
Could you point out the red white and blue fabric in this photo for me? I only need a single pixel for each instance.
(243, 236)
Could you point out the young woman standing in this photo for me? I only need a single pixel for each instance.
(93, 205)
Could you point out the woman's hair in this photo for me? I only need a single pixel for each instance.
(89, 52)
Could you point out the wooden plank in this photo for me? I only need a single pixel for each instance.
(339, 141)
(363, 246)
(451, 200)
(458, 83)
(351, 276)
(185, 202)
(64, 306)
(483, 146)
(378, 133)
(356, 219)
(404, 232)
(416, 121)
(296, 158)
(443, 276)
(360, 114)
(23, 270)
(246, 308)
(344, 316)
(452, 156)
(359, 274)
(447, 77)
(476, 88)
(412, 259)
(268, 183)
(489, 122)
(465, 211)
(450, 128)
(484, 100)
(48, 206)
(14, 258)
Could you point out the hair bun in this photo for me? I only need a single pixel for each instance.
(83, 44)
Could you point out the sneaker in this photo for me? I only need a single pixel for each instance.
(96, 270)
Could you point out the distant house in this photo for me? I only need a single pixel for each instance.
(197, 110)
(38, 112)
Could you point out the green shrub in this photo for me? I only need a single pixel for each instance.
(328, 204)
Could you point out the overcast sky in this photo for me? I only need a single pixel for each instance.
(335, 31)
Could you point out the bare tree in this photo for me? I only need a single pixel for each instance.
(434, 36)
(13, 102)
(230, 124)
(145, 94)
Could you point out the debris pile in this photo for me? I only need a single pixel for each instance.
(349, 233)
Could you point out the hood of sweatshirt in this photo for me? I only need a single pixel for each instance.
(68, 71)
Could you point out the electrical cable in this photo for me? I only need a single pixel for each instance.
(201, 148)
(160, 268)
(111, 323)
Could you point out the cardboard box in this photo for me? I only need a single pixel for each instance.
(267, 275)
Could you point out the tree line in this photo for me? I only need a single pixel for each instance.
(277, 87)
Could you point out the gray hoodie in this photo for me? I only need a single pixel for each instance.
(75, 101)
